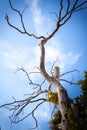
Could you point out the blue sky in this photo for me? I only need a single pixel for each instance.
(17, 50)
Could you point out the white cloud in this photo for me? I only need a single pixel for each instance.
(54, 50)
(44, 113)
(40, 19)
(37, 16)
(13, 57)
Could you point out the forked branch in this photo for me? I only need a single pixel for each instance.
(18, 106)
(62, 18)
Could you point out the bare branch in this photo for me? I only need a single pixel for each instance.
(80, 9)
(53, 111)
(36, 85)
(24, 9)
(61, 20)
(22, 22)
(7, 19)
(68, 6)
(68, 14)
(33, 113)
(53, 65)
(70, 82)
(26, 73)
(18, 106)
(61, 8)
(81, 6)
(69, 72)
(19, 15)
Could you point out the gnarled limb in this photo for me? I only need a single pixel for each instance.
(62, 93)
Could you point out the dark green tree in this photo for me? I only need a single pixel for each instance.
(76, 112)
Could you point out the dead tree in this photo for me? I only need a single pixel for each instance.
(17, 106)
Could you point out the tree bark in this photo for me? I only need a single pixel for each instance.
(62, 93)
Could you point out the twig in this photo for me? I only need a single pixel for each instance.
(68, 81)
(69, 72)
(53, 65)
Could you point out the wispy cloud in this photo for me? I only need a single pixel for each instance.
(45, 113)
(40, 19)
(11, 56)
(53, 49)
(37, 16)
(65, 59)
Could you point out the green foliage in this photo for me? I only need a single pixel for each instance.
(77, 111)
(52, 97)
(83, 84)
(79, 108)
(70, 116)
(55, 121)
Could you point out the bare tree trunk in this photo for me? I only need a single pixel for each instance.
(64, 14)
(62, 93)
